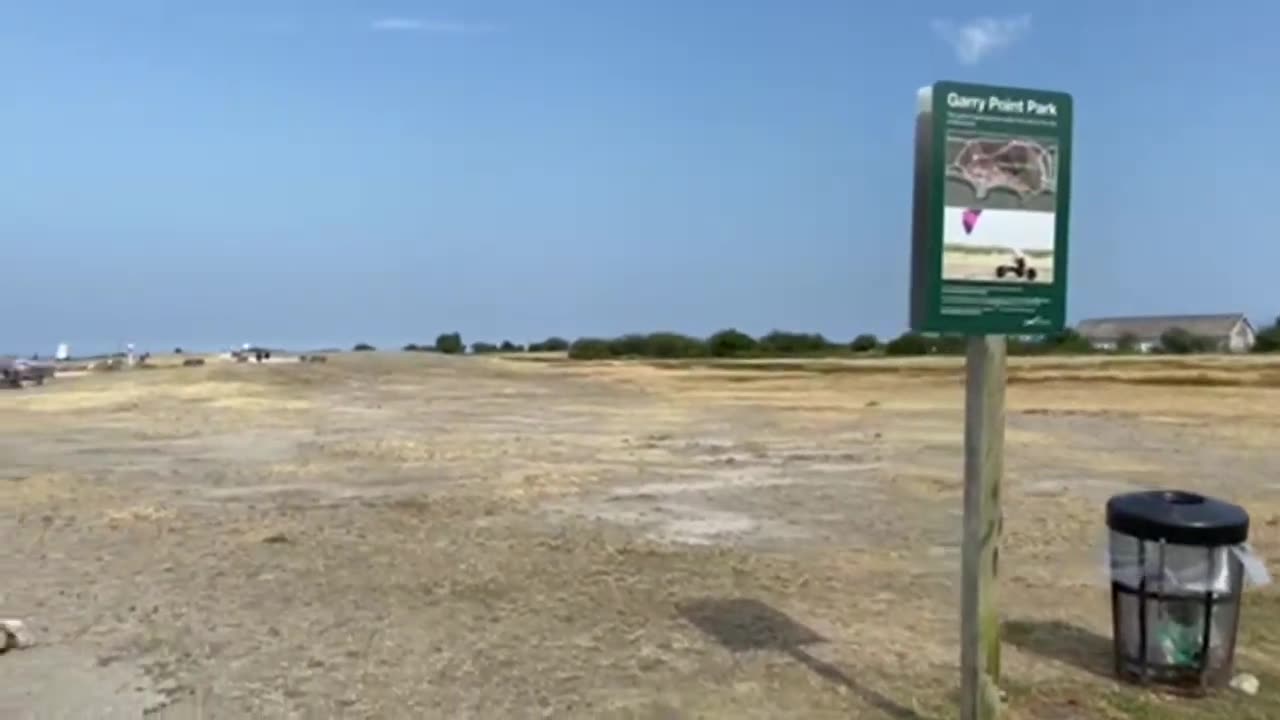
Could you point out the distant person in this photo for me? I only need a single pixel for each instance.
(1019, 262)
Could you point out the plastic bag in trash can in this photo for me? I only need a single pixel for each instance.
(1187, 568)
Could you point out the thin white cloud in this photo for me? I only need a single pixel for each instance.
(395, 23)
(978, 38)
(441, 27)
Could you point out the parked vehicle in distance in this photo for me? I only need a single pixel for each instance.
(15, 371)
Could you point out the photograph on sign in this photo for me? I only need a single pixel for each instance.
(997, 245)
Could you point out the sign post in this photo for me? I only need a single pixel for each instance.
(983, 520)
(989, 259)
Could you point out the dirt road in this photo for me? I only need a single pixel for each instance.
(421, 536)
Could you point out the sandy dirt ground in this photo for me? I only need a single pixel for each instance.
(962, 265)
(409, 535)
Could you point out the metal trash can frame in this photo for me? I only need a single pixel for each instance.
(1177, 573)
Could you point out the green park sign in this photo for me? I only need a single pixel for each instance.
(991, 209)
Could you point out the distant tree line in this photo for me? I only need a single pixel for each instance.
(451, 343)
(727, 343)
(733, 343)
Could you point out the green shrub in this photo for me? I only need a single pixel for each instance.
(450, 344)
(1069, 342)
(908, 343)
(780, 342)
(656, 345)
(591, 349)
(1268, 339)
(483, 348)
(730, 343)
(1026, 346)
(669, 345)
(947, 344)
(1127, 344)
(1177, 341)
(632, 345)
(551, 344)
(510, 347)
(363, 347)
(864, 343)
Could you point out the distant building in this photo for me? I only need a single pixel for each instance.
(1232, 333)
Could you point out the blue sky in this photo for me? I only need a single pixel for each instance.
(321, 172)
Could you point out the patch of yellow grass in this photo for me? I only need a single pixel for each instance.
(78, 399)
(403, 451)
(926, 482)
(541, 480)
(139, 514)
(135, 392)
(47, 490)
(251, 403)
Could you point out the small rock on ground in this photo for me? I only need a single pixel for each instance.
(14, 635)
(1245, 683)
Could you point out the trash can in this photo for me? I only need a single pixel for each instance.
(1177, 562)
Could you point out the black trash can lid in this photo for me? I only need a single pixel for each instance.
(1177, 517)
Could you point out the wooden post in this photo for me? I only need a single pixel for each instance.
(985, 367)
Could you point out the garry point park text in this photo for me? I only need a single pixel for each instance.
(956, 101)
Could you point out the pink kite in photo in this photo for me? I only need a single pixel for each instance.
(970, 219)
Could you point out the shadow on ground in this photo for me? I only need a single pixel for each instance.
(1063, 642)
(744, 624)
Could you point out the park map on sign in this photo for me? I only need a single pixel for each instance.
(1017, 165)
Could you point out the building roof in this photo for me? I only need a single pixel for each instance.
(1152, 327)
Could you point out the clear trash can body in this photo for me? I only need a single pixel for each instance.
(1177, 574)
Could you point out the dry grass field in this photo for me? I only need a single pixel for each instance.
(409, 535)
